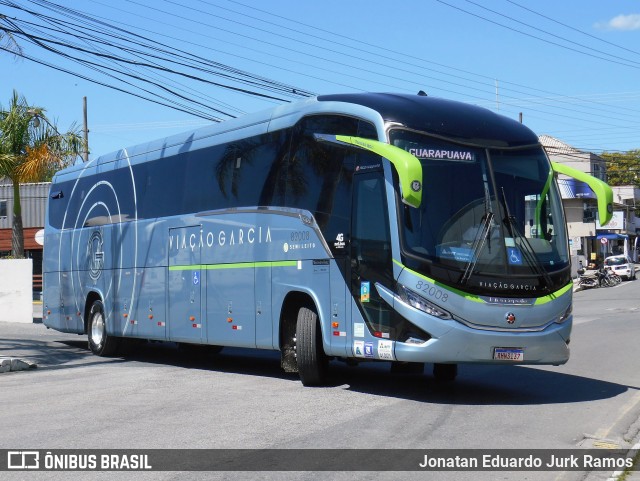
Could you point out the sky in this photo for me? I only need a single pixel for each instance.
(571, 67)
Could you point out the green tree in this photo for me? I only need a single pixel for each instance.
(31, 149)
(623, 168)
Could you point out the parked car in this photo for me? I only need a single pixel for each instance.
(621, 265)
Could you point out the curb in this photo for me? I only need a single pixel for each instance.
(8, 364)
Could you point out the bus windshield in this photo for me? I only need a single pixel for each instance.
(485, 214)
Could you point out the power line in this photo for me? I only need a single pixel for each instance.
(55, 26)
(573, 28)
(550, 34)
(96, 66)
(397, 54)
(240, 75)
(465, 86)
(87, 37)
(512, 104)
(116, 73)
(184, 109)
(536, 37)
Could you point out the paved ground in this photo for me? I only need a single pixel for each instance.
(159, 398)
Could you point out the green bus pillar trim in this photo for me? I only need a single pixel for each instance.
(408, 166)
(603, 192)
(543, 197)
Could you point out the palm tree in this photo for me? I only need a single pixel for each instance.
(31, 151)
(8, 42)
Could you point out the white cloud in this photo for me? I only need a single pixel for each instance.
(622, 22)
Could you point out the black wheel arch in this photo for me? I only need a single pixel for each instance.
(92, 297)
(291, 305)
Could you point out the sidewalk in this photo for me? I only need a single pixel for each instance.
(12, 364)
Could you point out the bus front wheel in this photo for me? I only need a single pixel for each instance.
(310, 356)
(100, 342)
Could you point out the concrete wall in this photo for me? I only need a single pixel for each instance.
(16, 296)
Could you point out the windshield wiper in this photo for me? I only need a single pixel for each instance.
(528, 253)
(478, 244)
(483, 233)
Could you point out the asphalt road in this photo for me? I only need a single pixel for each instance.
(159, 397)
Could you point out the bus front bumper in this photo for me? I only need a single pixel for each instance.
(462, 344)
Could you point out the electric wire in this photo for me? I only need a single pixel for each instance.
(538, 38)
(135, 51)
(95, 65)
(159, 77)
(54, 23)
(47, 43)
(573, 28)
(169, 104)
(551, 34)
(474, 97)
(396, 54)
(153, 47)
(504, 96)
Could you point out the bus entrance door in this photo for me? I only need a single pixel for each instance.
(185, 322)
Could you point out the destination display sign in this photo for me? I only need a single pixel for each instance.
(434, 150)
(443, 154)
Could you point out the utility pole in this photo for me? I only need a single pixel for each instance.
(85, 154)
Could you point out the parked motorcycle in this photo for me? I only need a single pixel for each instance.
(608, 278)
(599, 278)
(587, 281)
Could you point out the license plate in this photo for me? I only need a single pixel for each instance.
(508, 354)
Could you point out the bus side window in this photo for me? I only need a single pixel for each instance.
(371, 237)
(251, 171)
(320, 175)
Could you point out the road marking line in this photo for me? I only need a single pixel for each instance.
(633, 402)
(616, 474)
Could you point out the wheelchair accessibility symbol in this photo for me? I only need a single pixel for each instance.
(514, 255)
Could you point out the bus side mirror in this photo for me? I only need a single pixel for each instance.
(603, 192)
(407, 165)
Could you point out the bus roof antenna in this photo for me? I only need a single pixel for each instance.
(422, 93)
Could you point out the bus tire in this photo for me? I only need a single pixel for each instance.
(445, 372)
(100, 343)
(310, 356)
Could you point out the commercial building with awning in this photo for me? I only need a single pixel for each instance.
(588, 240)
(611, 236)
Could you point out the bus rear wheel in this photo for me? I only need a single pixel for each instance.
(310, 356)
(100, 342)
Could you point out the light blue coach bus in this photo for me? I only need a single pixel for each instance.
(399, 228)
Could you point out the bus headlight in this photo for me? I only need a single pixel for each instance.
(566, 314)
(419, 302)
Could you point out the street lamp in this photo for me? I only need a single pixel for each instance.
(36, 115)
